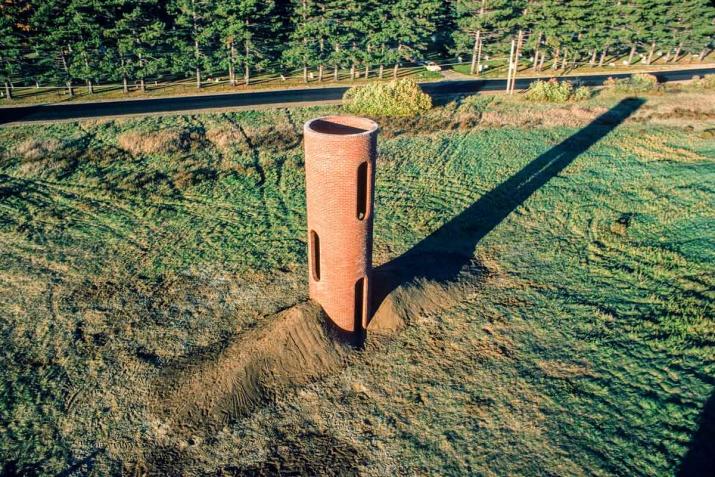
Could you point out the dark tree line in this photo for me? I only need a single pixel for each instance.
(82, 42)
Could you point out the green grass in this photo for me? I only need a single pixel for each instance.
(580, 341)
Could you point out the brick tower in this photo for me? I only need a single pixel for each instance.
(340, 154)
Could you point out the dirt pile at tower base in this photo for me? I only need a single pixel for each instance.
(294, 347)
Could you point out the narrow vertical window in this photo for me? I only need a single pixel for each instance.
(359, 300)
(315, 253)
(362, 191)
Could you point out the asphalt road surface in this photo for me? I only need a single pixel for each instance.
(207, 102)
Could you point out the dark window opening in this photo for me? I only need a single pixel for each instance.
(315, 252)
(359, 300)
(362, 191)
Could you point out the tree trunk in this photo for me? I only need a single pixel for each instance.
(541, 61)
(702, 54)
(603, 57)
(650, 54)
(631, 54)
(667, 56)
(367, 70)
(517, 53)
(246, 64)
(592, 61)
(142, 85)
(8, 91)
(475, 51)
(564, 62)
(231, 65)
(125, 86)
(70, 91)
(352, 72)
(381, 71)
(197, 52)
(536, 52)
(677, 53)
(90, 88)
(479, 58)
(556, 58)
(335, 73)
(320, 73)
(510, 66)
(397, 63)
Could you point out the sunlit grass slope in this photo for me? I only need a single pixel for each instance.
(580, 341)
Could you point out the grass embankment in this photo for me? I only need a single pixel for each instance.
(23, 95)
(578, 339)
(613, 64)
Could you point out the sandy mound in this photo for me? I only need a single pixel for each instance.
(293, 348)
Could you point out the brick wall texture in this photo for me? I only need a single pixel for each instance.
(340, 153)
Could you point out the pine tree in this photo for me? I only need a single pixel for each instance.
(301, 51)
(693, 27)
(247, 30)
(69, 34)
(470, 28)
(194, 36)
(138, 40)
(10, 47)
(409, 25)
(345, 28)
(651, 17)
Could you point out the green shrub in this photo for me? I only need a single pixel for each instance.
(638, 83)
(553, 91)
(396, 98)
(706, 82)
(476, 103)
(581, 93)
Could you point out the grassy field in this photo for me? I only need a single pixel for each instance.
(559, 261)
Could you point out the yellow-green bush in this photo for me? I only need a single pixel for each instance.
(638, 83)
(553, 91)
(706, 82)
(396, 98)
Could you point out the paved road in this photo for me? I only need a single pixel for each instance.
(66, 111)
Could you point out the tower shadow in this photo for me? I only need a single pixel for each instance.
(699, 461)
(444, 253)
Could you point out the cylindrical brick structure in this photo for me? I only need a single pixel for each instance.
(340, 154)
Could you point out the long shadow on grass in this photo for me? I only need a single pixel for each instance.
(443, 254)
(700, 459)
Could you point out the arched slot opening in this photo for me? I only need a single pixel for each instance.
(315, 255)
(359, 300)
(362, 191)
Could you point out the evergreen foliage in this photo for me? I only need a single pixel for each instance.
(69, 42)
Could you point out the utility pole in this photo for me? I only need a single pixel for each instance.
(475, 52)
(511, 63)
(519, 43)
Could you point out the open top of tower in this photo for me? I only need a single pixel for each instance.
(341, 126)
